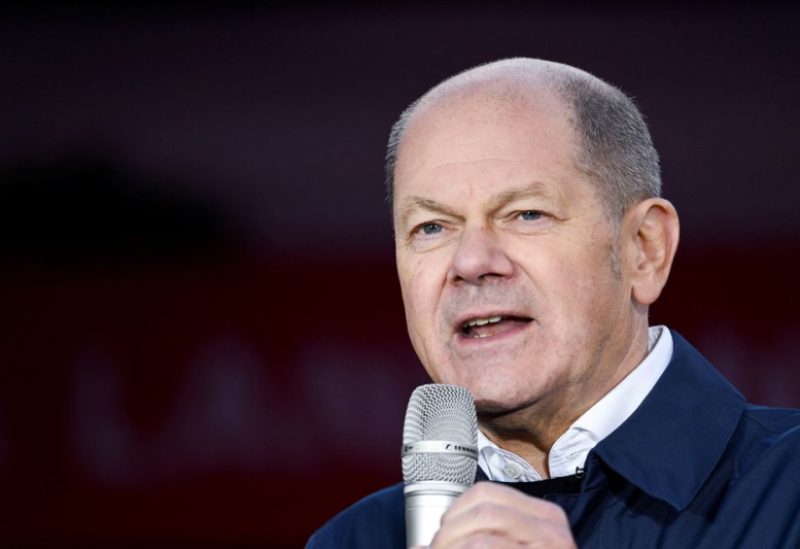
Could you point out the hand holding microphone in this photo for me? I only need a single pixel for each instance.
(497, 516)
(440, 456)
(439, 464)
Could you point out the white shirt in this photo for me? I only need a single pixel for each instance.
(569, 452)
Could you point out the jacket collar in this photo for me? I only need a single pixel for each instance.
(671, 443)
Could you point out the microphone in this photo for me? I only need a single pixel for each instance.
(440, 456)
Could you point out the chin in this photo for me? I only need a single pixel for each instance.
(498, 399)
(492, 406)
(489, 409)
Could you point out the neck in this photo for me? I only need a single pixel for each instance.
(531, 432)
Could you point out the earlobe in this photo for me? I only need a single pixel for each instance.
(655, 230)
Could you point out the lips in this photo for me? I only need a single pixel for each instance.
(480, 327)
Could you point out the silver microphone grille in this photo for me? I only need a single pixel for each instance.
(439, 412)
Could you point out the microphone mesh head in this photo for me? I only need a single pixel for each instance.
(440, 412)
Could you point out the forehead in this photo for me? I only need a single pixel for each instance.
(488, 141)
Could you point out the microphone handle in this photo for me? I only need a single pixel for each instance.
(426, 502)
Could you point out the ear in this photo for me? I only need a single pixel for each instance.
(652, 231)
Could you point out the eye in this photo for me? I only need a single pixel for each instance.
(429, 229)
(530, 215)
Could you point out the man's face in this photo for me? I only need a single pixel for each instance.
(506, 259)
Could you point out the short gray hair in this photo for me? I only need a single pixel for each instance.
(615, 149)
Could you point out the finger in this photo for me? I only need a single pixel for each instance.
(504, 512)
(488, 492)
(506, 523)
(483, 541)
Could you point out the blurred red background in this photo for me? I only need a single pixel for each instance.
(202, 339)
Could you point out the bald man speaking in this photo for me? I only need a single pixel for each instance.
(531, 238)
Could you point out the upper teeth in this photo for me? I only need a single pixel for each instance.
(483, 321)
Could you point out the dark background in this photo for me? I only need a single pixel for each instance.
(201, 333)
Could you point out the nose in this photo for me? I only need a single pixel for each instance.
(479, 255)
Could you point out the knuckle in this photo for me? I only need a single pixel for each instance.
(484, 512)
(481, 541)
(554, 511)
(481, 489)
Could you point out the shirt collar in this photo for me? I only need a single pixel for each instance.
(671, 443)
(569, 452)
(614, 408)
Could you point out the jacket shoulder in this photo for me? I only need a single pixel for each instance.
(767, 435)
(775, 420)
(377, 520)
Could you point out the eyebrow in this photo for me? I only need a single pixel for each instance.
(533, 189)
(413, 203)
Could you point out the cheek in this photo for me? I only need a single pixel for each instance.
(572, 288)
(418, 300)
(421, 280)
(593, 295)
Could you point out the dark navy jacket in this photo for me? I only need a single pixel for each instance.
(694, 467)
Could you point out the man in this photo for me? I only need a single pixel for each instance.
(530, 241)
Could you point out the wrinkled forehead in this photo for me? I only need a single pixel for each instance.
(475, 101)
(481, 121)
(498, 95)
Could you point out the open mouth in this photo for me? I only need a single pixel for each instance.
(478, 328)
